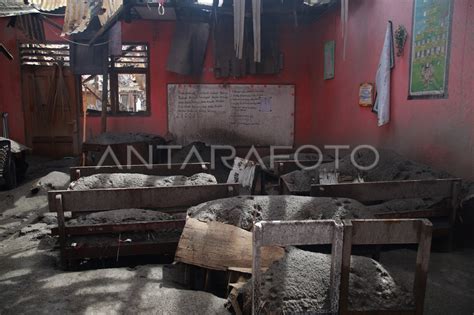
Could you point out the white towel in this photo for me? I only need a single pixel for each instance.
(382, 81)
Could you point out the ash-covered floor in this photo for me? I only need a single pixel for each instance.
(32, 282)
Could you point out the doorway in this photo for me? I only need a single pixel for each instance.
(51, 110)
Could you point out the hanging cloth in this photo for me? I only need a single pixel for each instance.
(382, 81)
(344, 20)
(239, 23)
(256, 13)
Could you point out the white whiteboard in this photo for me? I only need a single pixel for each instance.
(235, 114)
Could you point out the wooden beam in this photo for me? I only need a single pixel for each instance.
(156, 247)
(188, 169)
(5, 51)
(50, 22)
(142, 198)
(220, 246)
(121, 227)
(108, 25)
(105, 101)
(387, 190)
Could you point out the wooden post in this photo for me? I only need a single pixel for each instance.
(105, 89)
(346, 268)
(256, 274)
(422, 261)
(61, 227)
(456, 188)
(84, 131)
(336, 265)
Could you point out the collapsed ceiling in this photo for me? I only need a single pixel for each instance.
(18, 7)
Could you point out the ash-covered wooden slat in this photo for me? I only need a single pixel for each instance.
(414, 214)
(141, 198)
(188, 169)
(387, 190)
(139, 248)
(369, 232)
(122, 227)
(288, 166)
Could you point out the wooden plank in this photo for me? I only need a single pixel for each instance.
(288, 166)
(345, 268)
(144, 198)
(380, 312)
(413, 214)
(369, 232)
(188, 169)
(455, 202)
(336, 265)
(110, 250)
(218, 246)
(58, 203)
(121, 227)
(256, 266)
(422, 261)
(297, 232)
(375, 191)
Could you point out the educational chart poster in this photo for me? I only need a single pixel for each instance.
(430, 48)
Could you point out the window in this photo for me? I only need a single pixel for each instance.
(44, 54)
(92, 93)
(128, 84)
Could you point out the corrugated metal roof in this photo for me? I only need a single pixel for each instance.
(110, 6)
(48, 5)
(18, 7)
(15, 7)
(78, 16)
(79, 13)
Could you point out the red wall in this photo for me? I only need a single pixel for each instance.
(10, 87)
(159, 37)
(437, 131)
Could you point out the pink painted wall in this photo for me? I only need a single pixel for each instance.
(10, 87)
(159, 37)
(437, 131)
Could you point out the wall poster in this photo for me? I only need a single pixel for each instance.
(329, 49)
(430, 48)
